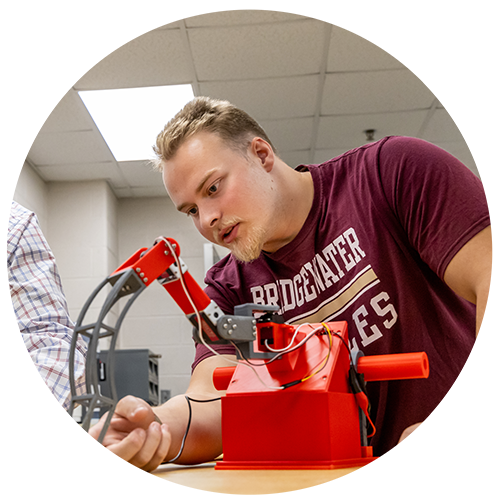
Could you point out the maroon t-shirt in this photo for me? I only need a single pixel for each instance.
(386, 220)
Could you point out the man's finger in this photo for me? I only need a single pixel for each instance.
(150, 446)
(161, 451)
(95, 430)
(128, 447)
(135, 410)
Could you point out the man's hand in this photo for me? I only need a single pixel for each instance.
(23, 423)
(135, 434)
(437, 440)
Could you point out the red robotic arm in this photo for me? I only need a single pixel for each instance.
(303, 371)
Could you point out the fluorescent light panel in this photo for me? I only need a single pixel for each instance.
(130, 119)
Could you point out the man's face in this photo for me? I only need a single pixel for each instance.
(228, 195)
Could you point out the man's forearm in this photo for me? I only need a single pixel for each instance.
(203, 442)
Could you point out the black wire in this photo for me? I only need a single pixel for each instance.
(345, 345)
(304, 379)
(295, 382)
(202, 400)
(188, 399)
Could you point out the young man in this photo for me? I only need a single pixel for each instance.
(392, 237)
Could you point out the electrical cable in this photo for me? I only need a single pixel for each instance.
(190, 414)
(325, 361)
(365, 405)
(322, 363)
(357, 385)
(288, 346)
(358, 388)
(280, 352)
(198, 317)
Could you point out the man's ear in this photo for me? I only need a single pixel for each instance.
(263, 150)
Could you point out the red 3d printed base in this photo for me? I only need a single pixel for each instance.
(312, 425)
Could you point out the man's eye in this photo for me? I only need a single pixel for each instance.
(192, 211)
(213, 188)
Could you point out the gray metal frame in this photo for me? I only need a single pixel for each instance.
(123, 284)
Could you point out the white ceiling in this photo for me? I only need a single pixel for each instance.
(314, 88)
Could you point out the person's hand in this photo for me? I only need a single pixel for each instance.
(445, 440)
(135, 434)
(24, 424)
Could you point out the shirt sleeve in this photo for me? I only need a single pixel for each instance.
(40, 306)
(438, 201)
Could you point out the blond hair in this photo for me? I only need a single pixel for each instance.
(231, 124)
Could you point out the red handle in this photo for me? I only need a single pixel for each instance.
(394, 366)
(222, 377)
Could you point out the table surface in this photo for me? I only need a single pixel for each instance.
(171, 479)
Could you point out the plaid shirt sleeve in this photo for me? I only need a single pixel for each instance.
(40, 305)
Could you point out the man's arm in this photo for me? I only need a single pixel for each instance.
(469, 274)
(40, 305)
(136, 436)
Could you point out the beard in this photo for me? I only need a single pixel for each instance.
(249, 247)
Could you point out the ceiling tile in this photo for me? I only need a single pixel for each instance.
(81, 172)
(291, 134)
(69, 147)
(125, 192)
(140, 174)
(470, 85)
(294, 158)
(46, 112)
(458, 149)
(257, 51)
(76, 22)
(19, 25)
(267, 63)
(460, 124)
(396, 41)
(156, 58)
(348, 131)
(149, 191)
(238, 17)
(322, 155)
(480, 46)
(29, 68)
(374, 92)
(264, 99)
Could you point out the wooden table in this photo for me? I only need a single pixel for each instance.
(380, 479)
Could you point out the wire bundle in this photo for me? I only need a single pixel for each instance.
(279, 352)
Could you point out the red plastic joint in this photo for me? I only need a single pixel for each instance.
(222, 377)
(394, 366)
(277, 335)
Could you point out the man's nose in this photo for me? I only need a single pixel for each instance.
(210, 218)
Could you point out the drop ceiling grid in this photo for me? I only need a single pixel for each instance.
(268, 63)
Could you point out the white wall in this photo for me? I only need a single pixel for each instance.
(155, 321)
(82, 232)
(32, 193)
